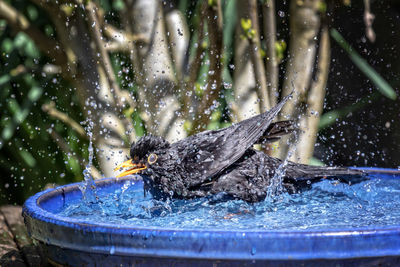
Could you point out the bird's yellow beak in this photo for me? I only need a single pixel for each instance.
(134, 168)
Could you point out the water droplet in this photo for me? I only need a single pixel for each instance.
(227, 85)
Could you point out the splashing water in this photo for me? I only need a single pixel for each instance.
(275, 188)
(88, 187)
(372, 203)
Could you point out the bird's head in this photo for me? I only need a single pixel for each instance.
(144, 153)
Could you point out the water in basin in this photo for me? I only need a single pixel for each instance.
(327, 205)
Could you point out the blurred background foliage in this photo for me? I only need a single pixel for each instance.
(52, 82)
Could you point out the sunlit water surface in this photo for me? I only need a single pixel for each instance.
(328, 205)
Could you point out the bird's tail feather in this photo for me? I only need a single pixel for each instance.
(343, 174)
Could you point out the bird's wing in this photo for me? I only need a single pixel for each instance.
(206, 154)
(276, 130)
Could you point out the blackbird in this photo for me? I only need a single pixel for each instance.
(223, 160)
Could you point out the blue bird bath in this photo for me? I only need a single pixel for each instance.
(76, 242)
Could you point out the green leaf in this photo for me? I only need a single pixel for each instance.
(20, 40)
(73, 164)
(212, 2)
(68, 9)
(7, 132)
(198, 90)
(280, 48)
(31, 50)
(13, 106)
(19, 113)
(35, 93)
(3, 24)
(138, 124)
(32, 12)
(381, 84)
(246, 24)
(229, 29)
(7, 46)
(316, 162)
(105, 5)
(187, 126)
(26, 46)
(331, 117)
(48, 30)
(118, 5)
(28, 158)
(213, 125)
(182, 6)
(4, 92)
(322, 7)
(216, 116)
(5, 79)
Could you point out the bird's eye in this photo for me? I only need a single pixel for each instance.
(152, 158)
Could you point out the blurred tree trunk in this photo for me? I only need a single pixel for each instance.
(154, 70)
(246, 98)
(161, 75)
(304, 29)
(315, 103)
(271, 69)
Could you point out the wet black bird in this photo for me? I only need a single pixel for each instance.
(222, 160)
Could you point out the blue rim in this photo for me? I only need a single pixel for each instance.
(341, 243)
